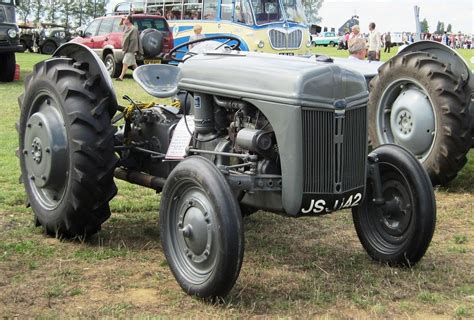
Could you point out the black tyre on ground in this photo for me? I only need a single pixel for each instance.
(201, 229)
(113, 68)
(66, 147)
(7, 70)
(48, 47)
(399, 231)
(417, 102)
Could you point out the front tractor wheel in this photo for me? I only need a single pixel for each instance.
(66, 148)
(399, 229)
(417, 102)
(201, 229)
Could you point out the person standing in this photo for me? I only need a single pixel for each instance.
(355, 32)
(375, 43)
(388, 42)
(130, 46)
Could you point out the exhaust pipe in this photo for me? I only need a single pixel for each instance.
(140, 178)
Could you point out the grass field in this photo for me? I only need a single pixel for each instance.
(308, 267)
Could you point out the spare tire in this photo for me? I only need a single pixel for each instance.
(152, 42)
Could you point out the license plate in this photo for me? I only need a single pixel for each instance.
(152, 61)
(286, 53)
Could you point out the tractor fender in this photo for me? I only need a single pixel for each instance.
(81, 53)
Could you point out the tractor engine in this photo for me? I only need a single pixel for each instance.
(235, 126)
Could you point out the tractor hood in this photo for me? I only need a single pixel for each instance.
(272, 78)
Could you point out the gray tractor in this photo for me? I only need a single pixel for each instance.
(421, 99)
(245, 131)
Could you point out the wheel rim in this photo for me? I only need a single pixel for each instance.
(192, 232)
(389, 226)
(109, 65)
(406, 116)
(45, 151)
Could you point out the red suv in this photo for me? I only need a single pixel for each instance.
(104, 35)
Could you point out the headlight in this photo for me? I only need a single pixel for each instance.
(308, 44)
(261, 44)
(12, 33)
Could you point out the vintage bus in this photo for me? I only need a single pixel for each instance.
(273, 26)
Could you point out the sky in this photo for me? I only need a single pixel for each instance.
(398, 15)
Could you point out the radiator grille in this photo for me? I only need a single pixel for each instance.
(334, 150)
(354, 148)
(282, 40)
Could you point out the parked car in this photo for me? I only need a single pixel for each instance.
(27, 37)
(50, 39)
(104, 35)
(325, 39)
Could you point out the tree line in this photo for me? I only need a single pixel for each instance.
(440, 27)
(71, 13)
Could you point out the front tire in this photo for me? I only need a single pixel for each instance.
(399, 231)
(201, 229)
(7, 71)
(113, 68)
(48, 47)
(417, 102)
(66, 147)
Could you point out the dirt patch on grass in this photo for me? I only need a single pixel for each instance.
(309, 267)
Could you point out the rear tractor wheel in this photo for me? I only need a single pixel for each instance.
(417, 102)
(66, 148)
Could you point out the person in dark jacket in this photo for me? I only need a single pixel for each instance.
(388, 42)
(130, 46)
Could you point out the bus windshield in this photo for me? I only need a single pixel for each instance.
(294, 10)
(6, 1)
(266, 11)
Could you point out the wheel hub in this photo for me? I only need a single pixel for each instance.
(412, 121)
(36, 150)
(195, 228)
(396, 213)
(46, 147)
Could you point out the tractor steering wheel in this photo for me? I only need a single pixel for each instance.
(179, 48)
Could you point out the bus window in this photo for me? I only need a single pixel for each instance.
(267, 11)
(173, 9)
(226, 10)
(294, 11)
(209, 10)
(192, 9)
(243, 12)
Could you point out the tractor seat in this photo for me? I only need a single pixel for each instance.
(158, 80)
